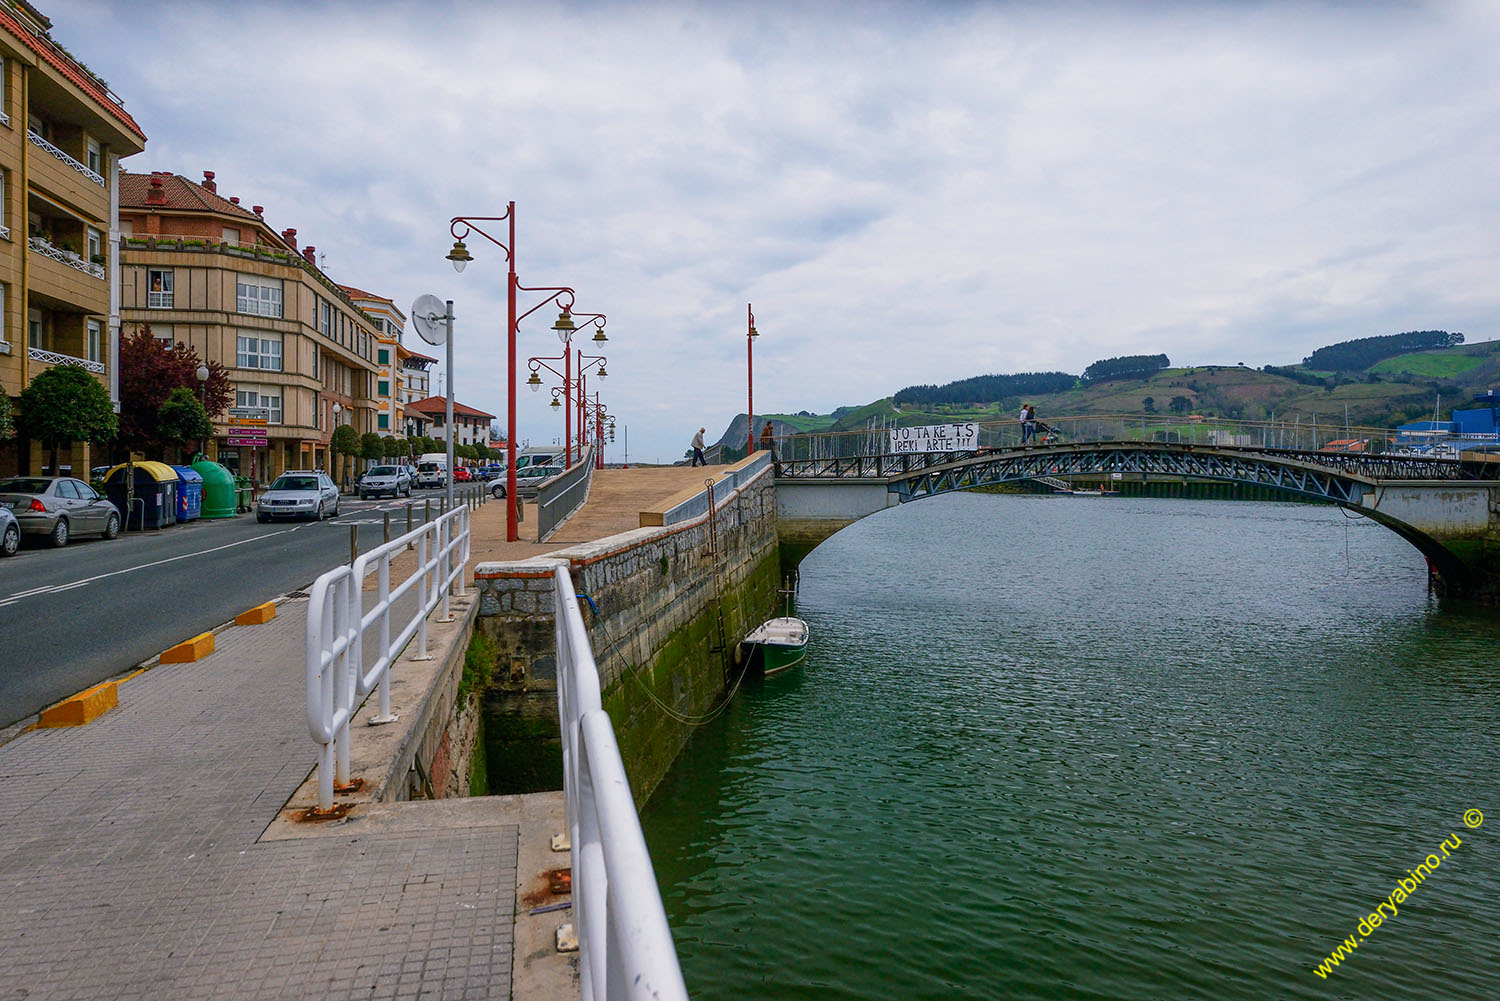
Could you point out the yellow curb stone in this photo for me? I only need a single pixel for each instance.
(190, 650)
(256, 616)
(83, 707)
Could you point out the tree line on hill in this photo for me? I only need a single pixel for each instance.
(988, 388)
(1362, 352)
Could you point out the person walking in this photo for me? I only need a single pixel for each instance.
(1028, 423)
(768, 440)
(698, 459)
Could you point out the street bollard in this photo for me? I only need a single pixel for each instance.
(427, 511)
(387, 516)
(353, 544)
(409, 544)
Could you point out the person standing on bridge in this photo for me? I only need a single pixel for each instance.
(1028, 423)
(698, 459)
(768, 440)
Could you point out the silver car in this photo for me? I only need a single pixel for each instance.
(392, 480)
(10, 532)
(306, 494)
(58, 507)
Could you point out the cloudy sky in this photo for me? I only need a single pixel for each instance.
(907, 192)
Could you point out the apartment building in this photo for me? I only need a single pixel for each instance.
(416, 384)
(200, 268)
(471, 426)
(62, 135)
(389, 322)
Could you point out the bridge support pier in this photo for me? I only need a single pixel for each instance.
(809, 512)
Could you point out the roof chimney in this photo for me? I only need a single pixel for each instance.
(290, 236)
(257, 209)
(310, 253)
(156, 194)
(208, 181)
(234, 199)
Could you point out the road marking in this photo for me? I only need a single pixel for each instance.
(55, 588)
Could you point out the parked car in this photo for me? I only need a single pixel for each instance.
(527, 480)
(58, 507)
(379, 480)
(463, 475)
(304, 494)
(431, 473)
(10, 532)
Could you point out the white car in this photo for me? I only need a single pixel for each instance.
(527, 479)
(393, 480)
(305, 494)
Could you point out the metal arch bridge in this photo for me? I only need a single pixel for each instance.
(1340, 478)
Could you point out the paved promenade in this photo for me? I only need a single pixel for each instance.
(135, 860)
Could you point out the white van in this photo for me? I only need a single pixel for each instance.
(432, 470)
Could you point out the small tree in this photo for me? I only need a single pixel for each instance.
(344, 443)
(149, 371)
(1179, 404)
(7, 418)
(392, 447)
(371, 446)
(182, 419)
(1149, 404)
(66, 404)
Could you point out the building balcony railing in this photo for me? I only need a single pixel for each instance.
(67, 257)
(41, 143)
(4, 118)
(53, 358)
(5, 232)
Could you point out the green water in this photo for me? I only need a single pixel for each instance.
(1097, 748)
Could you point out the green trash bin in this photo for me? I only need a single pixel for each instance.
(243, 487)
(220, 493)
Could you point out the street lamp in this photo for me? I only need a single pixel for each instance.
(565, 329)
(460, 227)
(202, 373)
(750, 378)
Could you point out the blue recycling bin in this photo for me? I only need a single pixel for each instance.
(189, 493)
(149, 502)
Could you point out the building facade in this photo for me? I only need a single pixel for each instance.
(389, 323)
(471, 426)
(62, 135)
(200, 269)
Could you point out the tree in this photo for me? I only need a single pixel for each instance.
(66, 404)
(7, 418)
(182, 419)
(371, 446)
(1149, 404)
(149, 371)
(1125, 367)
(392, 447)
(1179, 404)
(345, 442)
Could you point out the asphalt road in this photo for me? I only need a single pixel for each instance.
(72, 617)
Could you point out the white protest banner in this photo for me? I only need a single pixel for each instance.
(935, 438)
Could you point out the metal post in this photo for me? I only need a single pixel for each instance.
(426, 510)
(750, 379)
(512, 531)
(448, 405)
(387, 516)
(408, 524)
(353, 544)
(567, 404)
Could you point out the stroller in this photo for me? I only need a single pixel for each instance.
(1043, 434)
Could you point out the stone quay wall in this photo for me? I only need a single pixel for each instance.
(658, 598)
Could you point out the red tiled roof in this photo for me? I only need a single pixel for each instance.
(359, 293)
(437, 404)
(417, 354)
(44, 48)
(182, 195)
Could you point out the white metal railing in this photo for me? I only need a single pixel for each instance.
(82, 168)
(337, 623)
(53, 358)
(559, 496)
(70, 259)
(5, 232)
(625, 946)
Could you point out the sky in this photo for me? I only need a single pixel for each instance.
(907, 192)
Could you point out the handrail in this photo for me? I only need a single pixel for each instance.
(337, 681)
(558, 496)
(736, 476)
(66, 158)
(625, 945)
(41, 246)
(55, 358)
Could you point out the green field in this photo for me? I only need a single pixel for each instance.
(1431, 364)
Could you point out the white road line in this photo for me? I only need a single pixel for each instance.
(53, 589)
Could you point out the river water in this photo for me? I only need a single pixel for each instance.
(1084, 747)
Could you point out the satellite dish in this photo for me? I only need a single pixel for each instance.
(429, 316)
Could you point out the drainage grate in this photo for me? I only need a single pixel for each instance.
(296, 594)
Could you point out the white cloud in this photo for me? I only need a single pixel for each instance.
(907, 192)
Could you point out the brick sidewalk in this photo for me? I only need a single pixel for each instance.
(131, 866)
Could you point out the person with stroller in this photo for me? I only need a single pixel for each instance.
(1028, 423)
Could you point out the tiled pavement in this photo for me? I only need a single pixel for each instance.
(130, 866)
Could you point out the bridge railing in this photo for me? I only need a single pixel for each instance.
(338, 623)
(625, 946)
(1282, 435)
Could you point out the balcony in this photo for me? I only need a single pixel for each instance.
(67, 257)
(64, 181)
(63, 280)
(64, 158)
(53, 358)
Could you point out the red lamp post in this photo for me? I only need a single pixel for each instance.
(460, 257)
(750, 377)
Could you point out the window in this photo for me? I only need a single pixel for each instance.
(259, 352)
(260, 396)
(318, 408)
(96, 162)
(231, 235)
(257, 295)
(4, 185)
(127, 227)
(96, 340)
(385, 356)
(325, 318)
(3, 295)
(96, 245)
(34, 328)
(384, 390)
(163, 332)
(159, 284)
(384, 422)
